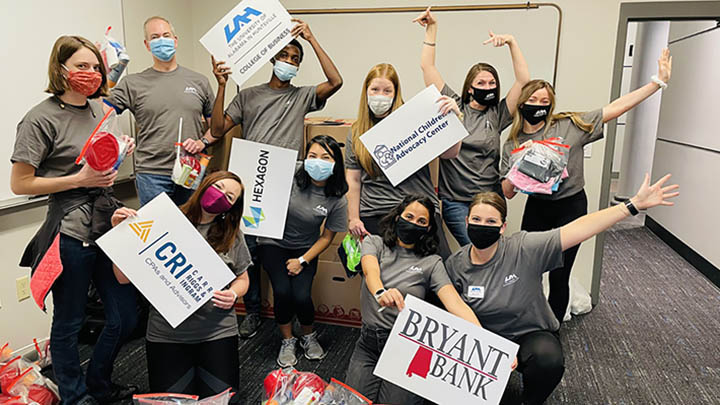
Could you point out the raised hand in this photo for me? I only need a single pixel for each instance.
(220, 71)
(302, 29)
(653, 195)
(498, 40)
(665, 65)
(425, 18)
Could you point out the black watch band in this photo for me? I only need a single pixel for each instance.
(631, 207)
(205, 142)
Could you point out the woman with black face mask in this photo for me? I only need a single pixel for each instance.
(500, 278)
(533, 121)
(401, 261)
(476, 168)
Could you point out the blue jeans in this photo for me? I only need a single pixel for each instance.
(150, 186)
(454, 214)
(252, 297)
(80, 265)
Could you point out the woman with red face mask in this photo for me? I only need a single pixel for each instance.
(199, 356)
(49, 139)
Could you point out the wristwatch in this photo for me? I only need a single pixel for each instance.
(205, 142)
(379, 294)
(302, 261)
(631, 207)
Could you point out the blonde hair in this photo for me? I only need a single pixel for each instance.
(364, 120)
(531, 87)
(492, 199)
(64, 48)
(153, 18)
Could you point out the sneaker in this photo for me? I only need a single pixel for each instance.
(249, 326)
(287, 358)
(312, 348)
(117, 393)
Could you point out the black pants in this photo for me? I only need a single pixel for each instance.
(292, 295)
(372, 225)
(202, 369)
(542, 364)
(544, 215)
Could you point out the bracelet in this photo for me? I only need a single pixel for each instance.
(429, 43)
(379, 294)
(461, 116)
(659, 82)
(631, 207)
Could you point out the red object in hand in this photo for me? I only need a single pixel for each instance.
(103, 152)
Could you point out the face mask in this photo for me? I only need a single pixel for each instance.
(483, 236)
(163, 48)
(486, 97)
(284, 71)
(379, 105)
(214, 201)
(319, 169)
(85, 82)
(534, 113)
(408, 232)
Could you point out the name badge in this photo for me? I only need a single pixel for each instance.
(476, 291)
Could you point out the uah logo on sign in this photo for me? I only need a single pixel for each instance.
(142, 229)
(239, 21)
(253, 220)
(384, 156)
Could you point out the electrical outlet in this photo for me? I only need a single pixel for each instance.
(22, 286)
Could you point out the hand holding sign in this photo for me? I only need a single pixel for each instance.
(220, 71)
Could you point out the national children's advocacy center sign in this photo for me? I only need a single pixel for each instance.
(445, 359)
(248, 36)
(167, 259)
(412, 136)
(267, 174)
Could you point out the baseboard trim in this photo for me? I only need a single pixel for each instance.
(706, 268)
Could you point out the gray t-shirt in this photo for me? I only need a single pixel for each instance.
(378, 196)
(402, 269)
(307, 211)
(571, 135)
(274, 116)
(158, 100)
(475, 169)
(49, 138)
(506, 293)
(208, 322)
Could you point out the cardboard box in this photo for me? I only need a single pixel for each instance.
(318, 126)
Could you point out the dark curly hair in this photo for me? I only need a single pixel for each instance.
(428, 243)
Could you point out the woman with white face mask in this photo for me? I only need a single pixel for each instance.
(317, 199)
(371, 195)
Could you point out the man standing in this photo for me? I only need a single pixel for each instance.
(272, 113)
(158, 97)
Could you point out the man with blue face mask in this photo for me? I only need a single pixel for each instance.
(158, 97)
(272, 113)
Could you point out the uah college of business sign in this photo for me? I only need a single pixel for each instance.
(167, 259)
(267, 174)
(248, 36)
(445, 359)
(412, 136)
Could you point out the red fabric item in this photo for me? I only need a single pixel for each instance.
(42, 395)
(420, 364)
(103, 152)
(47, 271)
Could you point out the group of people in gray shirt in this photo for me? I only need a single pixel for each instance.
(493, 280)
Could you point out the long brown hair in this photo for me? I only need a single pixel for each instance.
(224, 229)
(365, 121)
(474, 70)
(64, 48)
(531, 87)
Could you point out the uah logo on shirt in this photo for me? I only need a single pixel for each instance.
(142, 229)
(414, 269)
(510, 279)
(253, 221)
(321, 210)
(476, 291)
(190, 90)
(384, 156)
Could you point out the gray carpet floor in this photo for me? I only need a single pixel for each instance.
(653, 339)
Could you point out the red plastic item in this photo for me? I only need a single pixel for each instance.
(103, 152)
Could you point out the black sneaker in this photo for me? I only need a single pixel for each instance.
(249, 326)
(117, 393)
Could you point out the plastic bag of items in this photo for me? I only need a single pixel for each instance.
(337, 393)
(106, 148)
(188, 170)
(222, 398)
(291, 387)
(114, 56)
(539, 167)
(350, 254)
(22, 382)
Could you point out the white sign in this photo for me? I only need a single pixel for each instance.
(267, 174)
(445, 359)
(248, 36)
(412, 136)
(167, 259)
